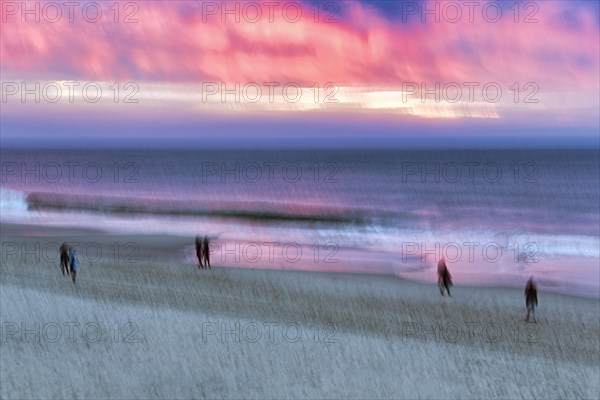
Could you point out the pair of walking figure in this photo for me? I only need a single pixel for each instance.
(69, 263)
(202, 252)
(531, 300)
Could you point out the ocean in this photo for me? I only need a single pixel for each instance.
(497, 216)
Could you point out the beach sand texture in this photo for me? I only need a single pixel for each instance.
(161, 328)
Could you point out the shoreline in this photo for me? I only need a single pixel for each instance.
(128, 248)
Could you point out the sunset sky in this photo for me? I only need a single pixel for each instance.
(300, 73)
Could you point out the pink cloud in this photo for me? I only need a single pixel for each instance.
(171, 42)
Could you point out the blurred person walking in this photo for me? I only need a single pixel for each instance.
(64, 259)
(199, 252)
(444, 277)
(531, 300)
(206, 252)
(74, 261)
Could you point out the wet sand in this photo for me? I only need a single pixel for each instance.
(143, 324)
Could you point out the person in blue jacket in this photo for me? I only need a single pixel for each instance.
(74, 263)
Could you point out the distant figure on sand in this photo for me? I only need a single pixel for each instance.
(64, 259)
(206, 252)
(531, 300)
(444, 277)
(199, 252)
(74, 263)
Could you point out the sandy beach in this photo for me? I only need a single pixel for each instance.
(144, 324)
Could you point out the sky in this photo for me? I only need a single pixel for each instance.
(300, 73)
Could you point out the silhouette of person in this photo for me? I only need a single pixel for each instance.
(64, 259)
(531, 299)
(199, 252)
(444, 277)
(74, 263)
(206, 252)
